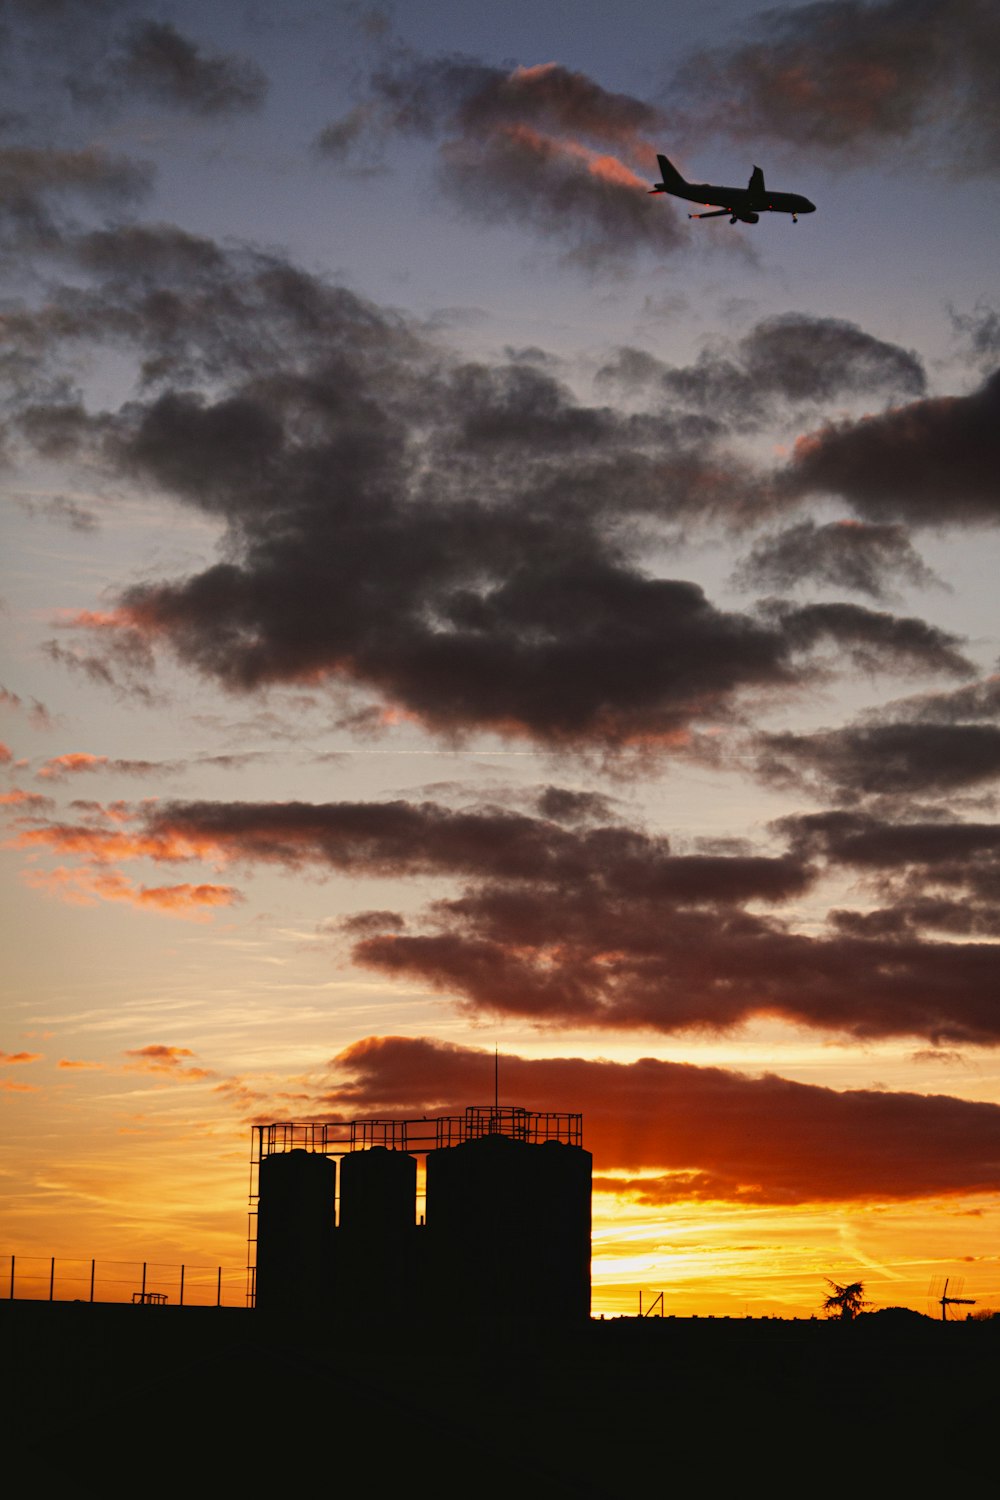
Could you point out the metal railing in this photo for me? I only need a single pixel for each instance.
(38, 1278)
(419, 1134)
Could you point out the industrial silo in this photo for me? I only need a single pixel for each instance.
(508, 1224)
(378, 1192)
(295, 1232)
(377, 1237)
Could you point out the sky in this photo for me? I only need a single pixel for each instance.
(458, 609)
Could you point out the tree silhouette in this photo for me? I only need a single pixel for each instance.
(845, 1302)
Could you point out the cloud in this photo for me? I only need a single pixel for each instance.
(83, 887)
(873, 640)
(976, 700)
(931, 463)
(38, 714)
(98, 56)
(543, 146)
(460, 539)
(59, 767)
(869, 559)
(169, 1061)
(890, 759)
(602, 924)
(783, 361)
(935, 875)
(62, 511)
(980, 331)
(7, 1059)
(465, 543)
(33, 800)
(157, 60)
(709, 1132)
(37, 184)
(123, 661)
(853, 79)
(586, 199)
(77, 762)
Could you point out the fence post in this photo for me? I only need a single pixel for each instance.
(52, 1279)
(12, 1278)
(144, 1281)
(218, 1291)
(92, 1265)
(181, 1303)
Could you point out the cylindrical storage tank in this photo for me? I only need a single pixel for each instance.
(378, 1193)
(508, 1227)
(376, 1240)
(295, 1231)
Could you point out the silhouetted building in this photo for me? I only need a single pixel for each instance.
(504, 1235)
(295, 1230)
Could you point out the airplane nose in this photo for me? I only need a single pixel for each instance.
(808, 208)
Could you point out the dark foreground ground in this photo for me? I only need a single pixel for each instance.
(125, 1397)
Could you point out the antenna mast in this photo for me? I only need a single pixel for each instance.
(947, 1301)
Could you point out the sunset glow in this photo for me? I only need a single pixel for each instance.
(470, 625)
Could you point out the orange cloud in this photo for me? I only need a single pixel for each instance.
(6, 754)
(61, 766)
(86, 886)
(158, 1058)
(19, 798)
(19, 1057)
(102, 845)
(599, 164)
(672, 1131)
(93, 619)
(66, 1062)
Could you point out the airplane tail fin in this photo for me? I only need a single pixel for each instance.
(672, 180)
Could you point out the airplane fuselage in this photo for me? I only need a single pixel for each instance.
(742, 201)
(744, 205)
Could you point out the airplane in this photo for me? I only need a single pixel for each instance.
(743, 204)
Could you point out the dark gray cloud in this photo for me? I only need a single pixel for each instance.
(605, 925)
(892, 759)
(933, 876)
(863, 841)
(563, 805)
(931, 463)
(459, 95)
(591, 204)
(103, 54)
(783, 361)
(542, 146)
(40, 186)
(869, 559)
(980, 333)
(873, 639)
(155, 59)
(977, 700)
(857, 77)
(463, 540)
(61, 509)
